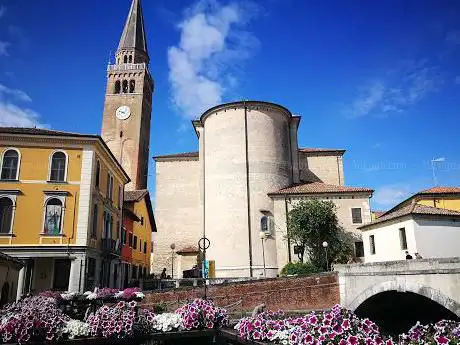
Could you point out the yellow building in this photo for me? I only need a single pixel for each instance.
(440, 197)
(139, 223)
(61, 201)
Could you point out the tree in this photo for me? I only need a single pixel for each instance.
(312, 222)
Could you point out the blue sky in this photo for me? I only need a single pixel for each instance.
(380, 78)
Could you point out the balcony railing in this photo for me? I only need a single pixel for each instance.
(128, 67)
(111, 246)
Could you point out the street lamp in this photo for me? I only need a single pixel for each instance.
(172, 246)
(325, 245)
(263, 237)
(433, 161)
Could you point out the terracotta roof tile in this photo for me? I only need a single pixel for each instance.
(319, 188)
(320, 150)
(135, 195)
(40, 131)
(379, 213)
(441, 190)
(413, 208)
(179, 155)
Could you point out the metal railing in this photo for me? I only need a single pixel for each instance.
(128, 67)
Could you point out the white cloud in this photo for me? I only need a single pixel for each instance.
(401, 89)
(211, 45)
(12, 115)
(391, 195)
(17, 94)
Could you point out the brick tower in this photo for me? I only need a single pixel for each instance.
(128, 101)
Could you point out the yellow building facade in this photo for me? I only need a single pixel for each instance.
(61, 201)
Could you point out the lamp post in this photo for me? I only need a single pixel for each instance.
(325, 245)
(263, 237)
(172, 246)
(433, 161)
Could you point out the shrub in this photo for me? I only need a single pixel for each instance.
(299, 268)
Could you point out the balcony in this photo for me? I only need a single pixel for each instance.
(111, 247)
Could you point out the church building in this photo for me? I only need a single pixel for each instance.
(247, 175)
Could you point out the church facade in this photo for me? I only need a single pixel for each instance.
(248, 173)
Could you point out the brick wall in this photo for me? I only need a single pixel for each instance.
(304, 293)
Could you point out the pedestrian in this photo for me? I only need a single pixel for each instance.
(408, 256)
(418, 256)
(163, 274)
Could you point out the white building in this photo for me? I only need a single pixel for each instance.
(249, 168)
(432, 232)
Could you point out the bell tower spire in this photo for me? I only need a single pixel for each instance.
(133, 42)
(128, 101)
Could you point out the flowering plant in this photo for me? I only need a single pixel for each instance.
(442, 332)
(32, 319)
(335, 326)
(167, 322)
(113, 322)
(76, 329)
(201, 314)
(51, 294)
(130, 294)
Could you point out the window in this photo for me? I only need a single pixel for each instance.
(140, 245)
(118, 229)
(125, 86)
(130, 59)
(130, 241)
(53, 217)
(94, 226)
(142, 220)
(402, 238)
(132, 86)
(372, 243)
(123, 236)
(108, 225)
(10, 165)
(98, 173)
(6, 215)
(117, 88)
(91, 274)
(135, 242)
(125, 59)
(58, 167)
(359, 249)
(109, 186)
(145, 247)
(356, 215)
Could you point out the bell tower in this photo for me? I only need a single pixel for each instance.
(128, 101)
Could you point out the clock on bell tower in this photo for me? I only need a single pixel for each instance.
(128, 101)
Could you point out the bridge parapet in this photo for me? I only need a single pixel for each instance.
(437, 279)
(419, 266)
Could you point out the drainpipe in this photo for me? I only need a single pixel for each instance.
(248, 194)
(288, 238)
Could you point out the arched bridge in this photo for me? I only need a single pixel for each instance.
(411, 290)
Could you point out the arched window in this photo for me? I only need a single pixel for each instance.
(125, 86)
(53, 217)
(10, 165)
(117, 87)
(58, 167)
(125, 59)
(130, 59)
(132, 86)
(6, 215)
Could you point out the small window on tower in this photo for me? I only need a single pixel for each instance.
(125, 86)
(130, 59)
(125, 59)
(132, 86)
(117, 87)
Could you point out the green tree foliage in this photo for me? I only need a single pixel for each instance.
(312, 222)
(299, 268)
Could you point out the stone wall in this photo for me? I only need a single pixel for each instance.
(302, 293)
